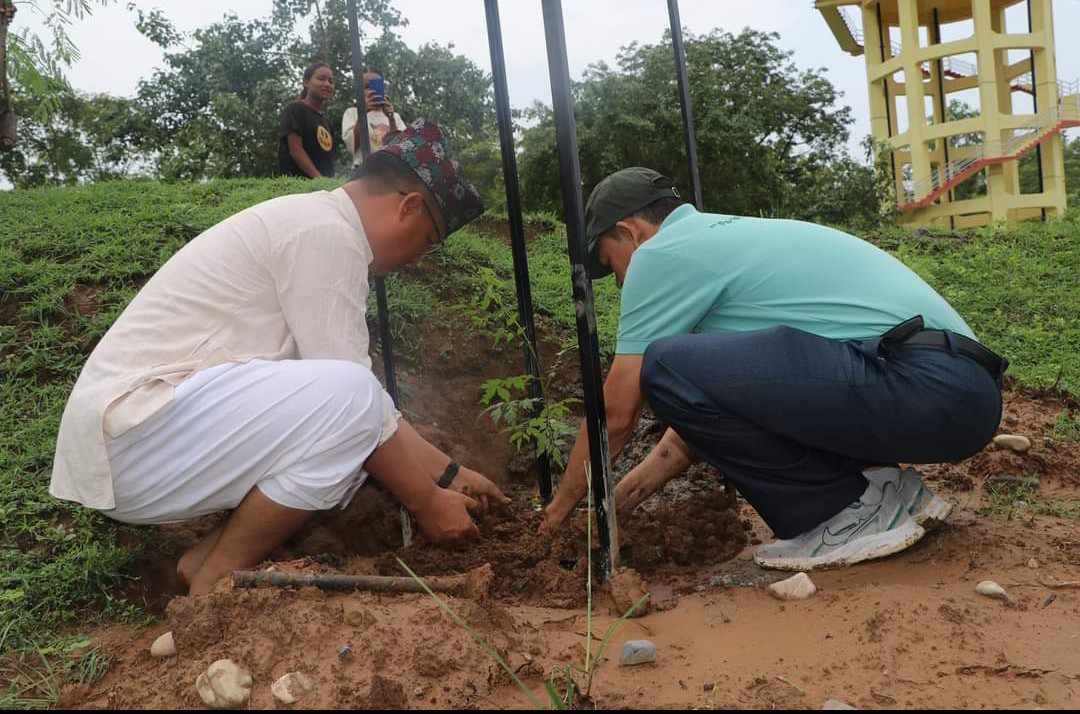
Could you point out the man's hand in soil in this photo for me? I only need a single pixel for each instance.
(444, 515)
(486, 493)
(623, 402)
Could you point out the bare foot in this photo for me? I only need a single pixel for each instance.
(191, 561)
(253, 530)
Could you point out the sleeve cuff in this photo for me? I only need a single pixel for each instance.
(632, 347)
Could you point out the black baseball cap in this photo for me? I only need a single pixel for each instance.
(621, 194)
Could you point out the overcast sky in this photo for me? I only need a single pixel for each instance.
(115, 56)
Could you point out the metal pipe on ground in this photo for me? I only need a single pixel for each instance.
(517, 225)
(474, 584)
(386, 341)
(684, 99)
(588, 347)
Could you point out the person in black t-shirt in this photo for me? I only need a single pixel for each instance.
(305, 138)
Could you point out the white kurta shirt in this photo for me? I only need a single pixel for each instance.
(285, 279)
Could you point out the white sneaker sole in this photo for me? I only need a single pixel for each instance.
(858, 550)
(934, 513)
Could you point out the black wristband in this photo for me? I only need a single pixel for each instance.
(449, 475)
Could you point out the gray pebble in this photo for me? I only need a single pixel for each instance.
(637, 652)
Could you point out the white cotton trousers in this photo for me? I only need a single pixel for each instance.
(298, 430)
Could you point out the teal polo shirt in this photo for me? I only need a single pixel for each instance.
(710, 273)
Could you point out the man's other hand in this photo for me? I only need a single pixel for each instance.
(444, 516)
(476, 486)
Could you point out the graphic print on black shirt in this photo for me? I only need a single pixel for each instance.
(313, 128)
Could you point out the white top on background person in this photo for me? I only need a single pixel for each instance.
(382, 122)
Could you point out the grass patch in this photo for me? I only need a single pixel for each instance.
(33, 678)
(1066, 426)
(1022, 501)
(1017, 288)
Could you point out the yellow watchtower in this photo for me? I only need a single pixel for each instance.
(997, 57)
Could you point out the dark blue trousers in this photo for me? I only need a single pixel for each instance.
(791, 419)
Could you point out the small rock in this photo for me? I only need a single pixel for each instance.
(708, 686)
(289, 688)
(344, 651)
(835, 704)
(224, 685)
(991, 589)
(627, 588)
(637, 652)
(1015, 442)
(797, 587)
(1033, 564)
(163, 646)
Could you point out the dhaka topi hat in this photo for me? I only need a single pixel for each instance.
(424, 149)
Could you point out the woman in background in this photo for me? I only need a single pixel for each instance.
(305, 138)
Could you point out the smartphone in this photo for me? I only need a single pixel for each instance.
(378, 85)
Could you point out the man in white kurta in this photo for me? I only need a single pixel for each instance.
(239, 378)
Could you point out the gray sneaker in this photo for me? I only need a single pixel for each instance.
(924, 506)
(876, 525)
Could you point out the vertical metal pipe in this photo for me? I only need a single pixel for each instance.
(385, 339)
(574, 217)
(517, 225)
(684, 98)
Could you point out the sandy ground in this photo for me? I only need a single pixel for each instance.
(907, 631)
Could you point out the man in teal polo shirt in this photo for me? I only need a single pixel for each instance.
(802, 362)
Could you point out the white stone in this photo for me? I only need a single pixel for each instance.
(1033, 564)
(836, 704)
(991, 589)
(290, 688)
(797, 587)
(224, 685)
(164, 646)
(1017, 443)
(637, 652)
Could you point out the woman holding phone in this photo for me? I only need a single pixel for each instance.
(305, 138)
(383, 121)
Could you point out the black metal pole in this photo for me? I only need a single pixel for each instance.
(517, 226)
(684, 98)
(385, 339)
(574, 217)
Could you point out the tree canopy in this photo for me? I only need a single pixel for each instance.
(770, 135)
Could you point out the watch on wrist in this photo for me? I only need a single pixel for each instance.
(449, 475)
